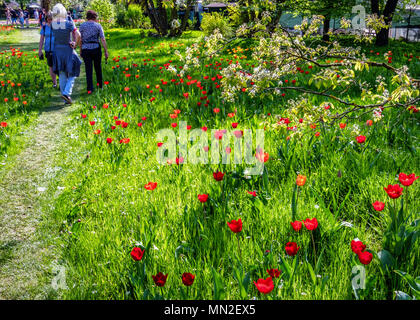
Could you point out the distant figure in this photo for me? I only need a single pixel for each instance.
(42, 17)
(26, 17)
(8, 17)
(21, 18)
(14, 15)
(91, 33)
(36, 15)
(197, 13)
(66, 62)
(47, 41)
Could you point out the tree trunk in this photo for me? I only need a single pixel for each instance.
(383, 35)
(275, 19)
(244, 11)
(186, 17)
(158, 20)
(325, 35)
(45, 4)
(408, 26)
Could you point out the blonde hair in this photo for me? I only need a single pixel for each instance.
(59, 12)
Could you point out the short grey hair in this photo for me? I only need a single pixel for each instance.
(59, 12)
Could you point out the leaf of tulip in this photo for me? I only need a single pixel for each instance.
(413, 283)
(374, 160)
(294, 268)
(311, 272)
(342, 203)
(239, 276)
(387, 260)
(219, 288)
(285, 266)
(318, 263)
(265, 179)
(294, 204)
(399, 295)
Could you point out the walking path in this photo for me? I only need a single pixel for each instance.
(23, 181)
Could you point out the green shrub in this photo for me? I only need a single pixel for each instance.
(120, 12)
(213, 21)
(105, 10)
(135, 18)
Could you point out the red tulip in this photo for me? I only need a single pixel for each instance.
(203, 197)
(252, 193)
(264, 285)
(218, 176)
(365, 257)
(235, 225)
(357, 246)
(160, 279)
(188, 279)
(150, 186)
(300, 180)
(311, 224)
(262, 156)
(407, 180)
(179, 160)
(297, 225)
(3, 124)
(234, 125)
(108, 140)
(378, 206)
(291, 248)
(394, 191)
(274, 273)
(137, 253)
(238, 133)
(360, 139)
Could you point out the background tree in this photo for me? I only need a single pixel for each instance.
(252, 10)
(387, 10)
(331, 9)
(164, 17)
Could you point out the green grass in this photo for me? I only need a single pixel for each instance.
(104, 209)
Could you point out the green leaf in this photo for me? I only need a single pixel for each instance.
(219, 288)
(413, 283)
(312, 273)
(399, 295)
(387, 260)
(294, 203)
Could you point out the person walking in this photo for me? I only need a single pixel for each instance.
(92, 34)
(47, 41)
(42, 17)
(21, 18)
(14, 15)
(8, 17)
(26, 17)
(66, 62)
(36, 15)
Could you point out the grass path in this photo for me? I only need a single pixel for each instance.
(24, 258)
